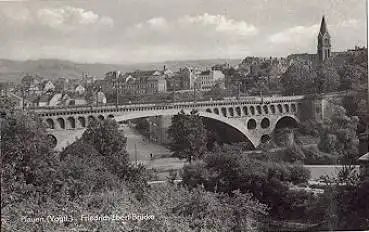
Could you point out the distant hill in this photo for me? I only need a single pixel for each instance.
(11, 70)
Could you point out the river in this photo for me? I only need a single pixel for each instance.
(140, 148)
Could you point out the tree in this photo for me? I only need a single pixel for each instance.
(89, 96)
(188, 136)
(215, 93)
(107, 146)
(306, 79)
(298, 79)
(28, 165)
(327, 78)
(228, 170)
(339, 134)
(353, 76)
(142, 125)
(345, 202)
(83, 170)
(105, 136)
(356, 104)
(6, 104)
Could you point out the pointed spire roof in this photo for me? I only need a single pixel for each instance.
(323, 26)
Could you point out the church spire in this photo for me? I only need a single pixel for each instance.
(324, 42)
(323, 27)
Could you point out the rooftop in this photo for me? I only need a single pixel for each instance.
(364, 158)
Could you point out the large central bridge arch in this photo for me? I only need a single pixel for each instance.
(236, 124)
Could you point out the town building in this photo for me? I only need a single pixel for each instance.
(205, 80)
(79, 89)
(43, 100)
(156, 84)
(19, 101)
(99, 98)
(364, 166)
(137, 82)
(61, 84)
(185, 78)
(29, 81)
(76, 101)
(47, 86)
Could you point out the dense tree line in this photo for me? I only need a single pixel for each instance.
(226, 170)
(343, 72)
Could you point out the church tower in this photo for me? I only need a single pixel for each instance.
(324, 42)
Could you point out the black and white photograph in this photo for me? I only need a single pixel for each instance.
(184, 116)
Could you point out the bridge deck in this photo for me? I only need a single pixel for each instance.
(172, 105)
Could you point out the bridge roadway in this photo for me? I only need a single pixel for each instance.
(254, 117)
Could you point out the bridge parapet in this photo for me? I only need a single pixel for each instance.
(64, 110)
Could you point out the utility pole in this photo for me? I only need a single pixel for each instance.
(22, 99)
(2, 115)
(239, 90)
(194, 93)
(136, 153)
(174, 89)
(23, 96)
(261, 96)
(116, 89)
(97, 98)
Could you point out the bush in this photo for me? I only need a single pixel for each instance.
(267, 180)
(78, 176)
(293, 154)
(299, 174)
(353, 209)
(194, 174)
(310, 128)
(315, 157)
(28, 164)
(105, 136)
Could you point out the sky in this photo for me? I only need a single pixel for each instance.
(135, 31)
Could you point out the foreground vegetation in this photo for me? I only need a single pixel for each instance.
(223, 189)
(94, 177)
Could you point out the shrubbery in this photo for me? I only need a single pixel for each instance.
(315, 157)
(345, 205)
(268, 181)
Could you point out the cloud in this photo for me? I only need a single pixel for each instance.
(205, 22)
(17, 15)
(71, 17)
(221, 24)
(203, 35)
(62, 18)
(294, 34)
(157, 22)
(353, 23)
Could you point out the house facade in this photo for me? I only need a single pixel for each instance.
(206, 80)
(138, 82)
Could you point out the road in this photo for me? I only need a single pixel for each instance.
(326, 170)
(138, 144)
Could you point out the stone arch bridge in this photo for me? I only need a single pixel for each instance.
(255, 117)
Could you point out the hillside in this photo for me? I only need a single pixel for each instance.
(11, 70)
